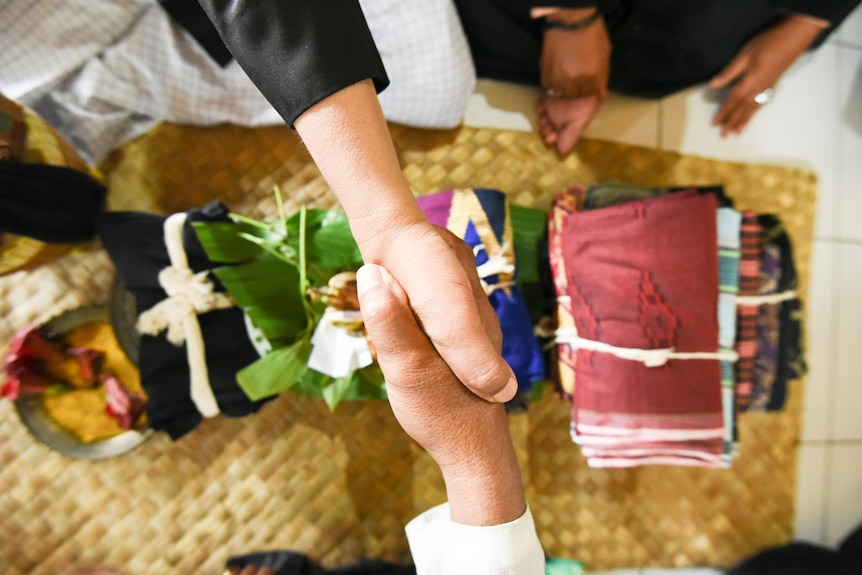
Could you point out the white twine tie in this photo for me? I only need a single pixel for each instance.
(765, 299)
(496, 265)
(649, 357)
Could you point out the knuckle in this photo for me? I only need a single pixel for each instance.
(487, 377)
(376, 310)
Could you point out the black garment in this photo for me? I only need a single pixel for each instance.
(134, 240)
(52, 204)
(791, 357)
(290, 563)
(659, 46)
(806, 559)
(298, 52)
(191, 16)
(798, 559)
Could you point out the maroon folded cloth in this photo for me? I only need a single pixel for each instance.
(643, 275)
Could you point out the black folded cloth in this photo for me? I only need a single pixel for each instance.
(53, 204)
(291, 563)
(135, 243)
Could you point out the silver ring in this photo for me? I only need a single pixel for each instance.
(764, 97)
(551, 93)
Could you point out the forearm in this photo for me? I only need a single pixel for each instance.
(486, 489)
(349, 140)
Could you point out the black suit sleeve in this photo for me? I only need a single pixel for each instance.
(298, 52)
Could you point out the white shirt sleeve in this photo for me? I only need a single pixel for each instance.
(443, 547)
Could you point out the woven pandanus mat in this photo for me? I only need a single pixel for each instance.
(342, 485)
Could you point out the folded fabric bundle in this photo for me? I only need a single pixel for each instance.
(49, 197)
(563, 356)
(729, 227)
(617, 415)
(574, 200)
(136, 243)
(53, 204)
(780, 357)
(642, 280)
(481, 218)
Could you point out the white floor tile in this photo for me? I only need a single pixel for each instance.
(502, 105)
(845, 491)
(809, 523)
(628, 120)
(512, 107)
(847, 397)
(850, 31)
(820, 331)
(849, 142)
(796, 129)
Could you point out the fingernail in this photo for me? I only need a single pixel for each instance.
(508, 392)
(367, 278)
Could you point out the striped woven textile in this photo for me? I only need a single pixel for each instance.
(746, 315)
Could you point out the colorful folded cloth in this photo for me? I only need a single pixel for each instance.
(729, 227)
(136, 244)
(746, 314)
(562, 359)
(780, 356)
(481, 218)
(642, 276)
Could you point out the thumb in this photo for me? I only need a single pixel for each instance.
(732, 71)
(390, 323)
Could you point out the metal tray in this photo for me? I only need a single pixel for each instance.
(35, 418)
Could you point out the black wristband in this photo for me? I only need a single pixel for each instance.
(558, 25)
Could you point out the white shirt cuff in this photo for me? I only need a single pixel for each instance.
(441, 546)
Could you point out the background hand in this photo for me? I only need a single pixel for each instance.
(563, 120)
(576, 63)
(758, 66)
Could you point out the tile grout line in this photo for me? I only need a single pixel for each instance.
(838, 240)
(830, 442)
(835, 291)
(847, 44)
(834, 311)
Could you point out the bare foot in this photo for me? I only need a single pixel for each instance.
(562, 120)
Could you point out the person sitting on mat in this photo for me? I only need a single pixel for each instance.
(579, 50)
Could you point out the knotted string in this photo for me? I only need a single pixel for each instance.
(649, 357)
(497, 264)
(189, 294)
(766, 299)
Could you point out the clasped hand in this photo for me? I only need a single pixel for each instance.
(466, 436)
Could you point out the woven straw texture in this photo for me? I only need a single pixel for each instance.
(342, 485)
